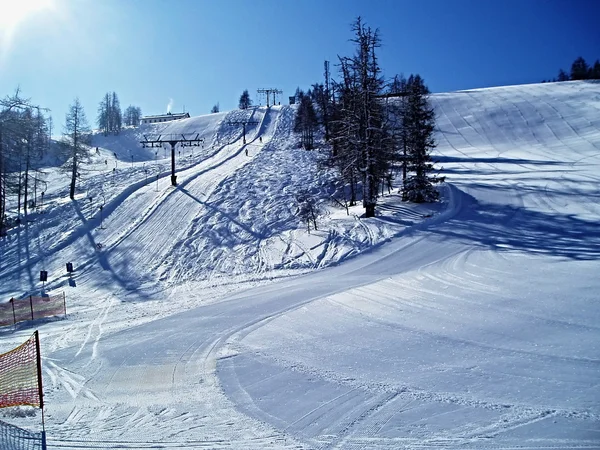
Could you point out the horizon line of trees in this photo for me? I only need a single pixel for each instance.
(110, 118)
(373, 128)
(580, 70)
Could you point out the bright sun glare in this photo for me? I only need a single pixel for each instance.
(13, 12)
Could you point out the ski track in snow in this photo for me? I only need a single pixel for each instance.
(471, 323)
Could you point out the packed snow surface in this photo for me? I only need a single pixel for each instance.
(206, 316)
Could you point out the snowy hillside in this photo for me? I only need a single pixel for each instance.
(201, 321)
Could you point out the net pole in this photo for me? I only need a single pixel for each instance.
(40, 386)
(12, 300)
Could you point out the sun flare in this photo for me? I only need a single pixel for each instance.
(13, 12)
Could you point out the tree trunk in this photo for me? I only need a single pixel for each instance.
(370, 210)
(19, 194)
(352, 189)
(26, 184)
(73, 178)
(25, 190)
(404, 162)
(35, 180)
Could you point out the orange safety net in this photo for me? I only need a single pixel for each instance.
(6, 314)
(48, 306)
(19, 376)
(31, 308)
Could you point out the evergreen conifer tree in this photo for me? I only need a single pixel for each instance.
(595, 71)
(563, 76)
(245, 101)
(75, 137)
(359, 135)
(306, 122)
(115, 113)
(420, 123)
(579, 69)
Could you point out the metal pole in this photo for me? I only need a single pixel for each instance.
(12, 300)
(40, 386)
(31, 306)
(173, 177)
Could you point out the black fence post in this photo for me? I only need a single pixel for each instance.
(40, 386)
(31, 305)
(12, 301)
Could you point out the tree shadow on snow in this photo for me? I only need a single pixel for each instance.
(127, 282)
(511, 227)
(231, 219)
(497, 160)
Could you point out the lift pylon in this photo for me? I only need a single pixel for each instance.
(243, 123)
(185, 140)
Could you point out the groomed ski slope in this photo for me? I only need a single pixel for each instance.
(472, 323)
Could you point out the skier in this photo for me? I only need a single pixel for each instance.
(246, 152)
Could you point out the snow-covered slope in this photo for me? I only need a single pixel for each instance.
(474, 325)
(482, 331)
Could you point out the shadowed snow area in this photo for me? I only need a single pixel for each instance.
(209, 318)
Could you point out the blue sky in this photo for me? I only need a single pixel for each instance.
(198, 52)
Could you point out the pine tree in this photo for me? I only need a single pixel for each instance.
(245, 101)
(306, 122)
(397, 120)
(595, 71)
(132, 115)
(215, 109)
(110, 118)
(359, 135)
(342, 152)
(298, 95)
(563, 76)
(115, 113)
(420, 123)
(75, 138)
(579, 69)
(104, 109)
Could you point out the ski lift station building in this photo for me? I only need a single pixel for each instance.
(165, 117)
